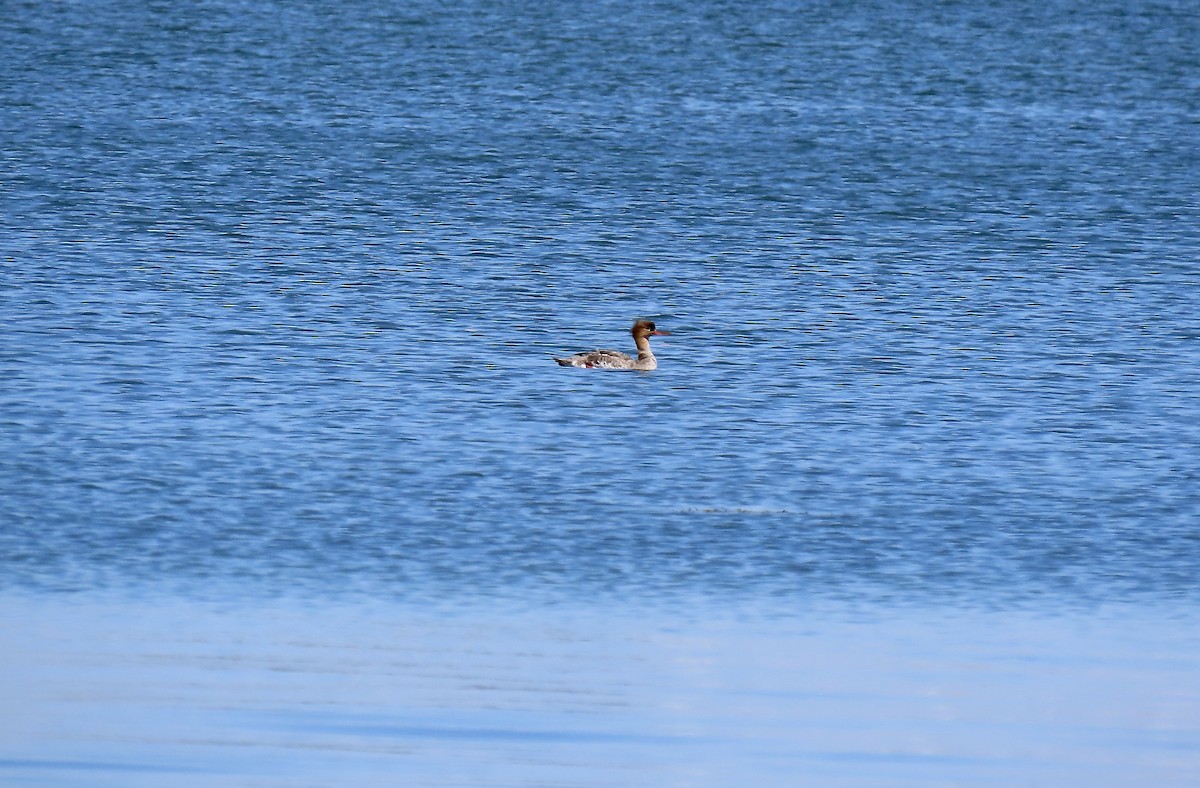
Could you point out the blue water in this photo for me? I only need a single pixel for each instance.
(282, 281)
(291, 488)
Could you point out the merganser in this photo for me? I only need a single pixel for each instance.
(611, 359)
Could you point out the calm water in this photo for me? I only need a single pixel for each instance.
(281, 283)
(159, 695)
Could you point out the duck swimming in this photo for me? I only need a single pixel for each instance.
(612, 359)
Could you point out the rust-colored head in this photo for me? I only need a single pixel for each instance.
(646, 328)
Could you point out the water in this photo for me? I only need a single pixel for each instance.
(154, 694)
(281, 283)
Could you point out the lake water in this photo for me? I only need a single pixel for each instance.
(289, 483)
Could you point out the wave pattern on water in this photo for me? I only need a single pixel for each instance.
(281, 285)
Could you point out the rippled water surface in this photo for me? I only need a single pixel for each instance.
(281, 283)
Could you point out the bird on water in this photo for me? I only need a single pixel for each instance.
(614, 359)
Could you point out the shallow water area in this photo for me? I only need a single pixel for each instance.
(136, 693)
